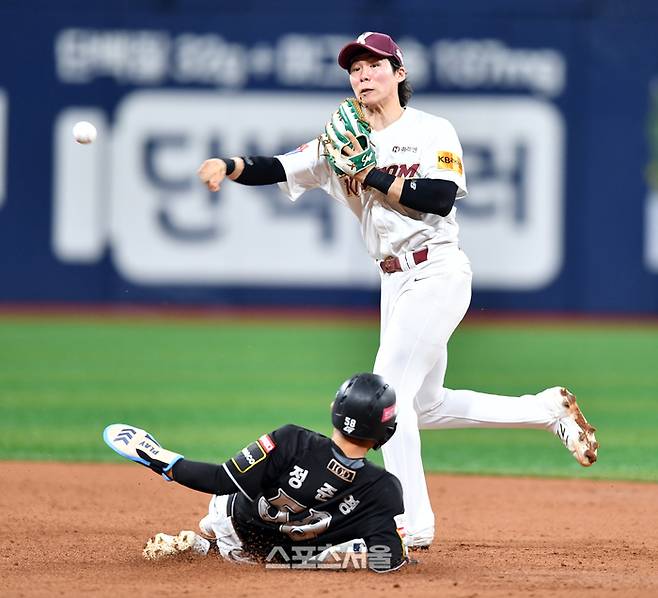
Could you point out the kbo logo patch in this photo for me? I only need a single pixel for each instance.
(449, 161)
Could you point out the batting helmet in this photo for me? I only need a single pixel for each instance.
(365, 409)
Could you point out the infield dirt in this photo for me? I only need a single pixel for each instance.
(78, 529)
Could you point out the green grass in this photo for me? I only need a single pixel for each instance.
(207, 387)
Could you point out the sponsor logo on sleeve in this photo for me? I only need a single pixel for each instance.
(449, 161)
(248, 457)
(267, 443)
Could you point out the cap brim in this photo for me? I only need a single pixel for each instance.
(347, 54)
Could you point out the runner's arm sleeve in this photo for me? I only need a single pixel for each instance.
(247, 472)
(203, 477)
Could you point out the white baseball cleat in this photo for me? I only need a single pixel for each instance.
(575, 432)
(164, 546)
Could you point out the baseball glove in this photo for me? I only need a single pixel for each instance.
(349, 118)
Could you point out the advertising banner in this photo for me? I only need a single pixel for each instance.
(545, 109)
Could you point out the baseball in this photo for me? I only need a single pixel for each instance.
(84, 132)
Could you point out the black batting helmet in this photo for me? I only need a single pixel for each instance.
(365, 409)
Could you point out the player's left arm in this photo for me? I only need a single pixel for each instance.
(247, 472)
(435, 194)
(244, 473)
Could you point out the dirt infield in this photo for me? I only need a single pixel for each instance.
(69, 530)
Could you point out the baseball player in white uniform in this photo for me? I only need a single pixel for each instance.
(401, 175)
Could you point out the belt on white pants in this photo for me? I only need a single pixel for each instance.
(405, 262)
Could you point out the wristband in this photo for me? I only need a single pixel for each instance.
(380, 180)
(230, 165)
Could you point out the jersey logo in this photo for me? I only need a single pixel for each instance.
(248, 457)
(405, 148)
(267, 443)
(449, 161)
(341, 471)
(352, 187)
(408, 171)
(325, 492)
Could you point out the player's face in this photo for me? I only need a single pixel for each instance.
(373, 79)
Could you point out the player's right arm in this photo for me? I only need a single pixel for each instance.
(297, 171)
(255, 170)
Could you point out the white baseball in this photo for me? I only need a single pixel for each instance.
(84, 132)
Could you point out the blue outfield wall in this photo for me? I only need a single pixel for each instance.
(556, 105)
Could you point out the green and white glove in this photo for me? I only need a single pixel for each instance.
(348, 118)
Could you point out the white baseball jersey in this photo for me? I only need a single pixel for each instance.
(417, 145)
(421, 306)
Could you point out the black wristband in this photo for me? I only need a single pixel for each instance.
(380, 180)
(230, 165)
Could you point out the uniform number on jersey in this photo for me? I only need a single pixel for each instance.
(278, 508)
(308, 528)
(248, 457)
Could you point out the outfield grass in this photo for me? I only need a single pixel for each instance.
(207, 387)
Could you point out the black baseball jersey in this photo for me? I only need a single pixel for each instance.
(299, 490)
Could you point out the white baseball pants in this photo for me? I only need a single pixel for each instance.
(420, 309)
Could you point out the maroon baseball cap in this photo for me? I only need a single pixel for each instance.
(370, 41)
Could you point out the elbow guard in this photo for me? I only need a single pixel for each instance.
(432, 196)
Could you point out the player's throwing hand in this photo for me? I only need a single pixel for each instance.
(212, 172)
